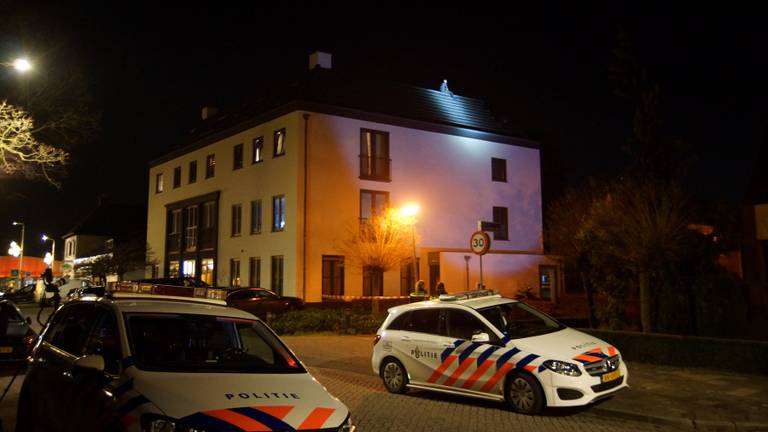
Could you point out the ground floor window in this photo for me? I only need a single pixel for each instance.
(373, 281)
(234, 272)
(206, 270)
(173, 269)
(333, 275)
(188, 268)
(277, 274)
(254, 272)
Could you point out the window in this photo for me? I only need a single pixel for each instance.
(499, 170)
(208, 214)
(279, 143)
(234, 272)
(372, 203)
(159, 183)
(373, 281)
(190, 238)
(374, 155)
(210, 165)
(254, 272)
(277, 274)
(206, 270)
(174, 230)
(424, 321)
(401, 322)
(463, 325)
(333, 275)
(237, 217)
(237, 157)
(258, 150)
(71, 331)
(188, 268)
(256, 217)
(500, 217)
(278, 213)
(177, 177)
(192, 171)
(173, 269)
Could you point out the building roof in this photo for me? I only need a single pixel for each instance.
(111, 220)
(334, 92)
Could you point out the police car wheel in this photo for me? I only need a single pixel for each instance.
(524, 394)
(394, 376)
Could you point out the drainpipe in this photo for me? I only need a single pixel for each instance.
(304, 231)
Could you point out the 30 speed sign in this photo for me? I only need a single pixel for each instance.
(480, 242)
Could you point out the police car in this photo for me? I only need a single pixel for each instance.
(166, 358)
(483, 345)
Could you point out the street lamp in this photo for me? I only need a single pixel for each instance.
(53, 249)
(21, 253)
(409, 212)
(22, 65)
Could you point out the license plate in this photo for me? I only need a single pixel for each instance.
(610, 376)
(6, 350)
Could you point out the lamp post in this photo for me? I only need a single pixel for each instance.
(410, 211)
(22, 65)
(53, 249)
(21, 253)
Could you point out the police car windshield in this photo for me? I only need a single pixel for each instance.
(518, 320)
(203, 343)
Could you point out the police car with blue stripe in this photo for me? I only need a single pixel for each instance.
(150, 357)
(483, 345)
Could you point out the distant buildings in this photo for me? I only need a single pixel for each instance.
(265, 197)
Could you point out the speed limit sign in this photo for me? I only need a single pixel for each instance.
(480, 242)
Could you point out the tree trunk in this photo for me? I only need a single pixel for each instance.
(590, 300)
(645, 301)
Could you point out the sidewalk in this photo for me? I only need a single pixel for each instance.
(700, 398)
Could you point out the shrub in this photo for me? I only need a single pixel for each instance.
(355, 321)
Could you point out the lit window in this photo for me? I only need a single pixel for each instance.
(188, 268)
(258, 150)
(374, 155)
(372, 203)
(210, 166)
(159, 183)
(278, 213)
(234, 271)
(279, 143)
(206, 270)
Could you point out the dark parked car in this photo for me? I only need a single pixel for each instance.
(260, 301)
(176, 281)
(16, 337)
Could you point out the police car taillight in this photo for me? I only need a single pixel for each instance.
(376, 339)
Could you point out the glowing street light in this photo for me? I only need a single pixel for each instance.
(22, 65)
(21, 252)
(53, 250)
(408, 212)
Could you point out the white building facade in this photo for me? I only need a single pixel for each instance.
(268, 201)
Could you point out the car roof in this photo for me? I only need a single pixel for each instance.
(148, 304)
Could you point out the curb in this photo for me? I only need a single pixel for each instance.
(680, 421)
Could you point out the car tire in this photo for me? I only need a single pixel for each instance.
(394, 376)
(524, 394)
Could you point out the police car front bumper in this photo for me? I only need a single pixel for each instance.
(564, 391)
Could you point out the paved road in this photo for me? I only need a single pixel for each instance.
(347, 374)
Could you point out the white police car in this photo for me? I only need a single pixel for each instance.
(165, 358)
(483, 345)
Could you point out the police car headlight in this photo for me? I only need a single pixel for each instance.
(562, 367)
(347, 426)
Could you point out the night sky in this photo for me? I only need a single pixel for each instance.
(149, 71)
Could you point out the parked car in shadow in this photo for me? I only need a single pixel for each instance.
(16, 337)
(260, 301)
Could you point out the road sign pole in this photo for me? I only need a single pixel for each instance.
(481, 273)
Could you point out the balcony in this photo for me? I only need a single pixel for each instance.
(375, 168)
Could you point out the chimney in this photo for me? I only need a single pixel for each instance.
(208, 112)
(319, 59)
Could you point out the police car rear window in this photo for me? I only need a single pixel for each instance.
(203, 343)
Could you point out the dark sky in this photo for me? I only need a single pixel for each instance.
(150, 70)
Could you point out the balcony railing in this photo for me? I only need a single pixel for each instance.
(375, 168)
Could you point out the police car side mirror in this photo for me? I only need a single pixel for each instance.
(481, 337)
(90, 362)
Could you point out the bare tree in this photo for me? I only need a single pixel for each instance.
(380, 243)
(20, 152)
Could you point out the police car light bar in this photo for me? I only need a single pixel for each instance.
(466, 295)
(131, 289)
